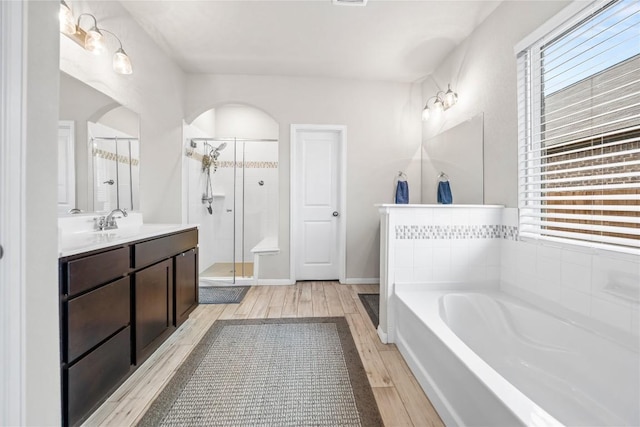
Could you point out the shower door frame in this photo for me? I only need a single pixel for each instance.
(234, 141)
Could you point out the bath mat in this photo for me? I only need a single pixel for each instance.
(221, 294)
(269, 372)
(371, 303)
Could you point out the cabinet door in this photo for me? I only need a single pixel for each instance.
(186, 284)
(153, 307)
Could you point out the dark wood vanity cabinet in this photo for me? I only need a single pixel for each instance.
(117, 306)
(186, 286)
(153, 308)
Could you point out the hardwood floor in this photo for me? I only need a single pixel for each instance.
(400, 399)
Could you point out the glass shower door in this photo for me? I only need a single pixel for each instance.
(233, 196)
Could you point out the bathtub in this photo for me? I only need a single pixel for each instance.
(486, 358)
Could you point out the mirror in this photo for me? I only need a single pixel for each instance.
(457, 153)
(98, 160)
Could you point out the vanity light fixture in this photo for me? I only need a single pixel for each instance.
(67, 21)
(442, 101)
(92, 39)
(121, 61)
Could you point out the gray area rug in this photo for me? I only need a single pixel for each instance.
(221, 294)
(371, 303)
(269, 372)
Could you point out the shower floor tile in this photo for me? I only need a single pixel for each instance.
(225, 269)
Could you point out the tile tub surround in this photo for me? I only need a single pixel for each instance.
(451, 246)
(437, 245)
(601, 285)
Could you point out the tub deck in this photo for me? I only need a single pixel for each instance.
(488, 358)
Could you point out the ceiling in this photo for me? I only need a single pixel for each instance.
(390, 40)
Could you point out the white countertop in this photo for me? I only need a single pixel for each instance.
(85, 241)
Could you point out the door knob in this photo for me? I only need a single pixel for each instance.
(335, 213)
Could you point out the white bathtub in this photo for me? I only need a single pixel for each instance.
(485, 358)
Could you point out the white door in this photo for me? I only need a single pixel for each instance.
(316, 203)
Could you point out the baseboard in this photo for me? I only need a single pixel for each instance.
(274, 282)
(382, 335)
(362, 281)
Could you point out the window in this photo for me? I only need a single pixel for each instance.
(579, 130)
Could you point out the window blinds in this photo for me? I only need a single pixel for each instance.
(579, 130)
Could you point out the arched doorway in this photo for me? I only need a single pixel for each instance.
(231, 165)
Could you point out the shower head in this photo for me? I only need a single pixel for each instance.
(216, 151)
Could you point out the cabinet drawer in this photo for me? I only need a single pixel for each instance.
(94, 316)
(148, 252)
(88, 272)
(94, 376)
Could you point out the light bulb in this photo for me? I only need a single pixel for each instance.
(121, 62)
(450, 98)
(94, 42)
(438, 106)
(67, 22)
(426, 113)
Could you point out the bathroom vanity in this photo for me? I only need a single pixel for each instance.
(122, 294)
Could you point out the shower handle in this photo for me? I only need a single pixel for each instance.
(229, 210)
(110, 182)
(335, 213)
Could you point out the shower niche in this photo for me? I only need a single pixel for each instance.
(231, 168)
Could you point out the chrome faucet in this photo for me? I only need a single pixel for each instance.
(109, 222)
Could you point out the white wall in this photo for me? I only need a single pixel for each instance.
(155, 91)
(242, 121)
(41, 334)
(482, 70)
(383, 137)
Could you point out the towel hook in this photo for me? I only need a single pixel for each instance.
(402, 174)
(443, 177)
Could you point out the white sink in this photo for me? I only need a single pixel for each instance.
(77, 234)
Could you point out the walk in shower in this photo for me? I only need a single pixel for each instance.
(233, 185)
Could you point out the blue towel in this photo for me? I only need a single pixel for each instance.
(402, 193)
(444, 193)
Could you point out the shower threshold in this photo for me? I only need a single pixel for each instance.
(226, 269)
